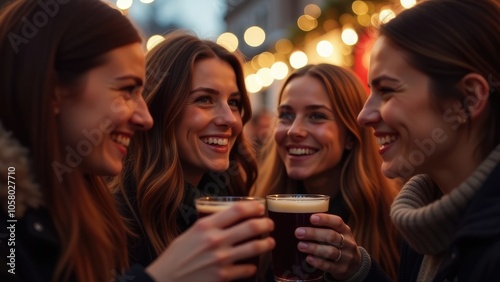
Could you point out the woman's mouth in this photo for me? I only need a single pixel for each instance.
(296, 151)
(216, 141)
(121, 139)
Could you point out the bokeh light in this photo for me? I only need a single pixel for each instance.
(312, 10)
(280, 70)
(349, 36)
(307, 23)
(124, 4)
(153, 41)
(408, 3)
(324, 48)
(229, 41)
(283, 46)
(298, 59)
(254, 36)
(266, 76)
(253, 83)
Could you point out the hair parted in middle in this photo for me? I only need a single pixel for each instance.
(367, 193)
(153, 168)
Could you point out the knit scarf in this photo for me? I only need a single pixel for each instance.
(427, 219)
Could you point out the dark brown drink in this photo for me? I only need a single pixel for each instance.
(208, 205)
(288, 213)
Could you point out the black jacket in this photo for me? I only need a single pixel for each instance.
(37, 250)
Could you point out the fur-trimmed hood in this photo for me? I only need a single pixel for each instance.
(21, 185)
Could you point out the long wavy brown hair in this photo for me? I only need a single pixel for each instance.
(152, 169)
(367, 193)
(91, 232)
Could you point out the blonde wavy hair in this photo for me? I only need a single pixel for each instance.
(367, 193)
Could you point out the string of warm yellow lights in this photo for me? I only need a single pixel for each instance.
(320, 38)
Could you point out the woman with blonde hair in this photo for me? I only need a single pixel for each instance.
(319, 148)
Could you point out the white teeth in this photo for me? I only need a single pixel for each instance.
(300, 151)
(216, 141)
(386, 139)
(121, 139)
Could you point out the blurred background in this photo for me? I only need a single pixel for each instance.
(275, 36)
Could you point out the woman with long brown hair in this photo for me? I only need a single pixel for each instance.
(71, 100)
(197, 97)
(434, 106)
(318, 148)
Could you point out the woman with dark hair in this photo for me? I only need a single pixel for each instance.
(197, 96)
(434, 109)
(70, 102)
(318, 148)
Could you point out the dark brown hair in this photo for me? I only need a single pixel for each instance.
(42, 45)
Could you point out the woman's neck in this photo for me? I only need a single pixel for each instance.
(327, 183)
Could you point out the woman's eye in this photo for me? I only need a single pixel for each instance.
(203, 100)
(286, 117)
(131, 90)
(235, 104)
(384, 90)
(317, 116)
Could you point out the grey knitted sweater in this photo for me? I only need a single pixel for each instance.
(428, 219)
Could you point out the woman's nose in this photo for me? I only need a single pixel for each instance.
(226, 116)
(370, 114)
(141, 117)
(297, 129)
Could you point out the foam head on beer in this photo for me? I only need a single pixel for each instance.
(208, 205)
(297, 203)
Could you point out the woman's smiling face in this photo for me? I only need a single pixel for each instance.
(97, 123)
(210, 121)
(310, 138)
(413, 134)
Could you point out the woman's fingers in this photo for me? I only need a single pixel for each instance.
(251, 249)
(251, 228)
(330, 245)
(326, 236)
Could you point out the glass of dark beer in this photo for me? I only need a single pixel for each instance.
(290, 211)
(208, 205)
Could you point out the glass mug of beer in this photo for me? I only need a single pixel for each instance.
(211, 204)
(290, 211)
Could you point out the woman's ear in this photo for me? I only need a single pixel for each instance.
(56, 100)
(477, 92)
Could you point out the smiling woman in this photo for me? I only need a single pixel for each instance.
(319, 148)
(60, 79)
(196, 94)
(210, 121)
(423, 69)
(108, 111)
(70, 102)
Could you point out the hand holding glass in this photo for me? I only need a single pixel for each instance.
(290, 211)
(208, 205)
